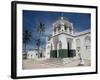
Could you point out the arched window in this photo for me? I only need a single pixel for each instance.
(65, 28)
(54, 30)
(70, 30)
(55, 42)
(51, 46)
(59, 29)
(87, 40)
(77, 42)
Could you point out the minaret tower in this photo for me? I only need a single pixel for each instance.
(61, 42)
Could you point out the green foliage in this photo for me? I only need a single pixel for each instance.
(40, 30)
(27, 35)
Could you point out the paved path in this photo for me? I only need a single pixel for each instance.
(50, 63)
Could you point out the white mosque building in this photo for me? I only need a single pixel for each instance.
(66, 43)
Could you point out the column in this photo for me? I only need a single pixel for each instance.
(58, 50)
(68, 30)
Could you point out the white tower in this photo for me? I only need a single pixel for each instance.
(61, 40)
(62, 26)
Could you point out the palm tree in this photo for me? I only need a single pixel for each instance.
(40, 29)
(27, 35)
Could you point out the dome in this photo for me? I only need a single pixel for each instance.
(63, 22)
(62, 25)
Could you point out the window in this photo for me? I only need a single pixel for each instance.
(70, 30)
(59, 29)
(65, 28)
(54, 30)
(87, 40)
(51, 46)
(77, 41)
(55, 42)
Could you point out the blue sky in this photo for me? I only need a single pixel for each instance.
(31, 19)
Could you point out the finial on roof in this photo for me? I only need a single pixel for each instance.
(62, 16)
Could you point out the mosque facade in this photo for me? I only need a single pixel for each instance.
(65, 42)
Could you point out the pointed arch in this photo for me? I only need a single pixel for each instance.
(87, 39)
(60, 45)
(51, 46)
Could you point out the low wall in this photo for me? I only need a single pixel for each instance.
(62, 53)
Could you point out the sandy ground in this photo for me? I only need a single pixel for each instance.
(51, 63)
